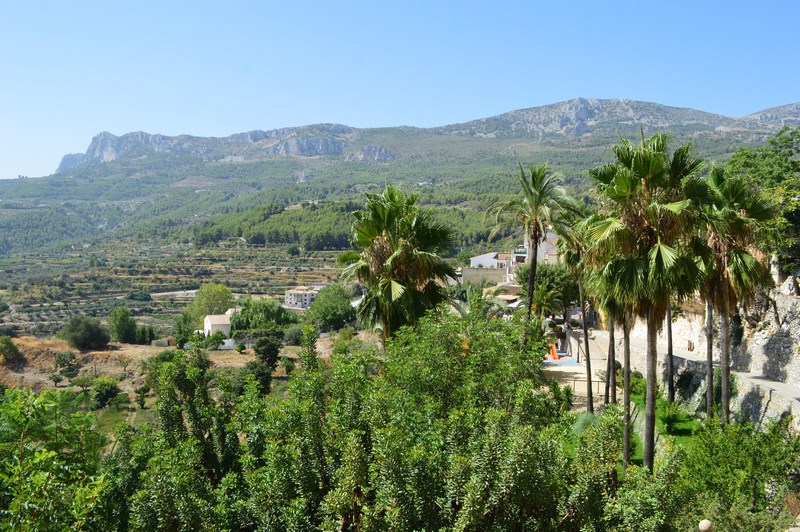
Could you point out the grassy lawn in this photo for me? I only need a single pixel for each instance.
(681, 431)
(109, 417)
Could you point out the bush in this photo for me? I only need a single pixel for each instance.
(262, 372)
(9, 352)
(64, 359)
(670, 414)
(70, 372)
(293, 335)
(150, 367)
(141, 394)
(139, 295)
(267, 350)
(104, 390)
(214, 341)
(85, 333)
(289, 365)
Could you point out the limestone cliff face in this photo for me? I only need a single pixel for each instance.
(309, 141)
(371, 152)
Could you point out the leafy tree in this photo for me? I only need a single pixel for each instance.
(124, 361)
(82, 332)
(49, 477)
(184, 328)
(141, 394)
(775, 170)
(648, 238)
(145, 334)
(9, 352)
(84, 382)
(535, 210)
(64, 359)
(555, 278)
(3, 306)
(254, 314)
(104, 389)
(266, 349)
(122, 326)
(398, 262)
(293, 335)
(56, 378)
(151, 367)
(211, 298)
(174, 495)
(331, 309)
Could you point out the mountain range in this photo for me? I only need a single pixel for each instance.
(581, 118)
(157, 187)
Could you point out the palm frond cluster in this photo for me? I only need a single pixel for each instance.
(399, 262)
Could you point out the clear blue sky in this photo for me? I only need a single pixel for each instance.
(72, 69)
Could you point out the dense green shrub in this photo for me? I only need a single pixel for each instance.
(85, 333)
(104, 390)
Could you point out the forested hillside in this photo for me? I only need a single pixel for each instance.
(153, 188)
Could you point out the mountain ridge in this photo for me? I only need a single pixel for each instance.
(575, 118)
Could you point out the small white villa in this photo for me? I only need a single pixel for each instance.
(217, 323)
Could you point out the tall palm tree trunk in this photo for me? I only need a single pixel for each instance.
(612, 359)
(650, 399)
(532, 279)
(607, 379)
(709, 359)
(589, 401)
(626, 390)
(725, 362)
(670, 356)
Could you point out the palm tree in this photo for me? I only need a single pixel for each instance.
(733, 215)
(398, 263)
(620, 312)
(546, 300)
(536, 209)
(572, 245)
(646, 234)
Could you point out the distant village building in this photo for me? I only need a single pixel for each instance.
(214, 323)
(500, 267)
(300, 297)
(547, 253)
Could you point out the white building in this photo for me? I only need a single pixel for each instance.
(300, 297)
(217, 323)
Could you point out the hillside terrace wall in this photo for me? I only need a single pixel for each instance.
(767, 363)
